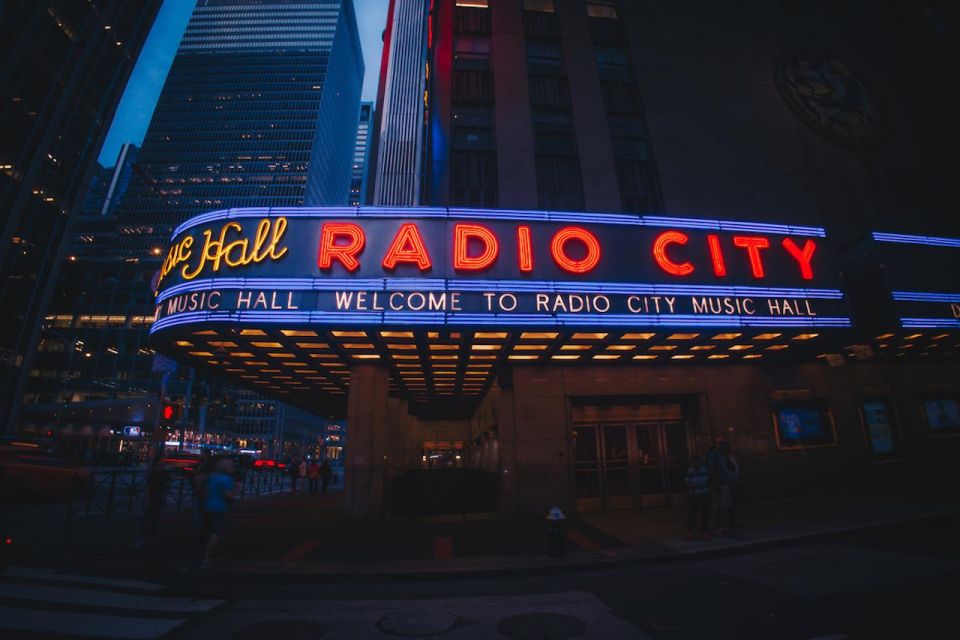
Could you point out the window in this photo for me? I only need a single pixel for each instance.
(635, 179)
(473, 179)
(545, 6)
(472, 17)
(553, 132)
(559, 183)
(471, 53)
(803, 424)
(544, 57)
(472, 86)
(541, 25)
(620, 97)
(601, 10)
(549, 91)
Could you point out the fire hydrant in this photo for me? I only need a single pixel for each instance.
(557, 532)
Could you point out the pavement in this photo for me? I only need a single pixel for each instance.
(305, 536)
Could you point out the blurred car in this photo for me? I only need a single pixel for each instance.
(28, 473)
(183, 463)
(269, 464)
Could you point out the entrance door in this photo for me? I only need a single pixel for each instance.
(601, 466)
(661, 458)
(619, 466)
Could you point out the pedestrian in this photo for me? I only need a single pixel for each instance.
(720, 477)
(199, 482)
(697, 478)
(313, 476)
(734, 468)
(302, 471)
(293, 470)
(157, 481)
(219, 495)
(326, 472)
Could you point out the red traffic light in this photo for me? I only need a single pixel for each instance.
(168, 412)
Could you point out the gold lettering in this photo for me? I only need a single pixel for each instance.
(267, 245)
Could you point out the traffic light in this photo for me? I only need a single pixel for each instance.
(172, 411)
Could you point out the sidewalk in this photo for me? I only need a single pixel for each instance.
(305, 535)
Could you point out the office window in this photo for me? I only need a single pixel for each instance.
(472, 17)
(470, 52)
(635, 179)
(620, 97)
(473, 179)
(601, 10)
(544, 57)
(549, 91)
(472, 86)
(559, 183)
(541, 25)
(545, 6)
(553, 132)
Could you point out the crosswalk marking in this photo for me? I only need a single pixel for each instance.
(50, 574)
(85, 624)
(41, 602)
(113, 599)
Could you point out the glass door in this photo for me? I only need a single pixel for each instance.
(586, 468)
(615, 466)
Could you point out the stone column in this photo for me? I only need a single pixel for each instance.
(366, 445)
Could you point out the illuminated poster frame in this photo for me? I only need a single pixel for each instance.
(381, 266)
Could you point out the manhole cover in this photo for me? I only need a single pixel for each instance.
(541, 626)
(281, 629)
(417, 622)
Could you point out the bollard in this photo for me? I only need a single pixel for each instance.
(557, 533)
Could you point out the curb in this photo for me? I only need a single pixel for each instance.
(510, 566)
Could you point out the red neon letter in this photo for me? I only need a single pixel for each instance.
(753, 244)
(716, 256)
(803, 256)
(558, 250)
(462, 260)
(660, 245)
(345, 253)
(524, 249)
(407, 247)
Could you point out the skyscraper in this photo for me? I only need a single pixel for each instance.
(401, 102)
(61, 74)
(361, 156)
(258, 109)
(109, 184)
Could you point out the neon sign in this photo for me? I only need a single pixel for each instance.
(473, 267)
(216, 252)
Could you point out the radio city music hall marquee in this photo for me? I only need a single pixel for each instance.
(422, 266)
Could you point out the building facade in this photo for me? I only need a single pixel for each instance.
(361, 156)
(63, 70)
(648, 226)
(257, 110)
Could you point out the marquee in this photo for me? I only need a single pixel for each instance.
(473, 268)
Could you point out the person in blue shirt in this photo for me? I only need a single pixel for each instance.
(698, 500)
(216, 502)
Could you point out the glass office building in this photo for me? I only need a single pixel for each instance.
(63, 69)
(258, 109)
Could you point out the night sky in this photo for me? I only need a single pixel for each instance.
(140, 97)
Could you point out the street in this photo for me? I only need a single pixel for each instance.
(894, 582)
